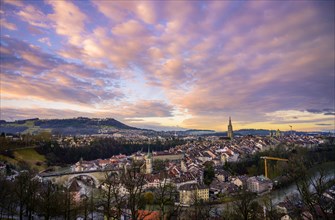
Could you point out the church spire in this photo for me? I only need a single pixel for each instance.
(148, 161)
(230, 129)
(149, 153)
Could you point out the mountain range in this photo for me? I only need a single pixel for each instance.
(74, 126)
(88, 126)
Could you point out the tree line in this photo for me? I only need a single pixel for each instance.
(99, 148)
(26, 196)
(254, 165)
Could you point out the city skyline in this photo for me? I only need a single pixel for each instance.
(170, 65)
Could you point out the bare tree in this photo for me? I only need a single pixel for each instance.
(84, 206)
(52, 200)
(113, 198)
(312, 202)
(199, 209)
(245, 207)
(21, 191)
(133, 180)
(270, 212)
(32, 199)
(7, 203)
(92, 204)
(312, 191)
(67, 203)
(166, 197)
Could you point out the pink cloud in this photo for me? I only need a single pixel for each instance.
(113, 10)
(147, 12)
(33, 16)
(142, 108)
(7, 25)
(130, 28)
(42, 76)
(121, 11)
(146, 108)
(207, 57)
(33, 59)
(45, 40)
(69, 20)
(14, 2)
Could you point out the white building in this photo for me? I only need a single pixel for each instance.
(259, 184)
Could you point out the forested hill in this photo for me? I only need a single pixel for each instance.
(74, 126)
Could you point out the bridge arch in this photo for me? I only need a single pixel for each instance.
(73, 176)
(66, 178)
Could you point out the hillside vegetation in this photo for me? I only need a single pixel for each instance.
(73, 126)
(27, 157)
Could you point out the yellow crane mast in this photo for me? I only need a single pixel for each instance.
(270, 158)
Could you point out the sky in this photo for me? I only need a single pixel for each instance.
(170, 65)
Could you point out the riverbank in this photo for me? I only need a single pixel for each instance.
(279, 195)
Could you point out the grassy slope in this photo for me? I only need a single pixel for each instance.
(28, 155)
(8, 159)
(31, 127)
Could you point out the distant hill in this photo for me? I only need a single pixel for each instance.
(88, 126)
(198, 132)
(262, 132)
(72, 126)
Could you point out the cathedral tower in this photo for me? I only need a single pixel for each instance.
(230, 130)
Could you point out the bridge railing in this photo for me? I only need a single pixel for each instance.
(42, 175)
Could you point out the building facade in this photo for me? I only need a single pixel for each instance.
(259, 184)
(192, 193)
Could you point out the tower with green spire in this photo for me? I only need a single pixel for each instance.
(148, 162)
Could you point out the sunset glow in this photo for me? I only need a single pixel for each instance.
(171, 64)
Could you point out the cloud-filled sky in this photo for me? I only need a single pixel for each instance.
(171, 64)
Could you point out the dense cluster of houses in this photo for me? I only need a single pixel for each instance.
(214, 148)
(72, 141)
(184, 165)
(186, 174)
(115, 162)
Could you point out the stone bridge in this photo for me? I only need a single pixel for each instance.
(65, 178)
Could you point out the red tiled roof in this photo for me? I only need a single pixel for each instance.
(148, 215)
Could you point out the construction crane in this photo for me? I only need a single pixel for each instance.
(270, 158)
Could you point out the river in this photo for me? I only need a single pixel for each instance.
(280, 194)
